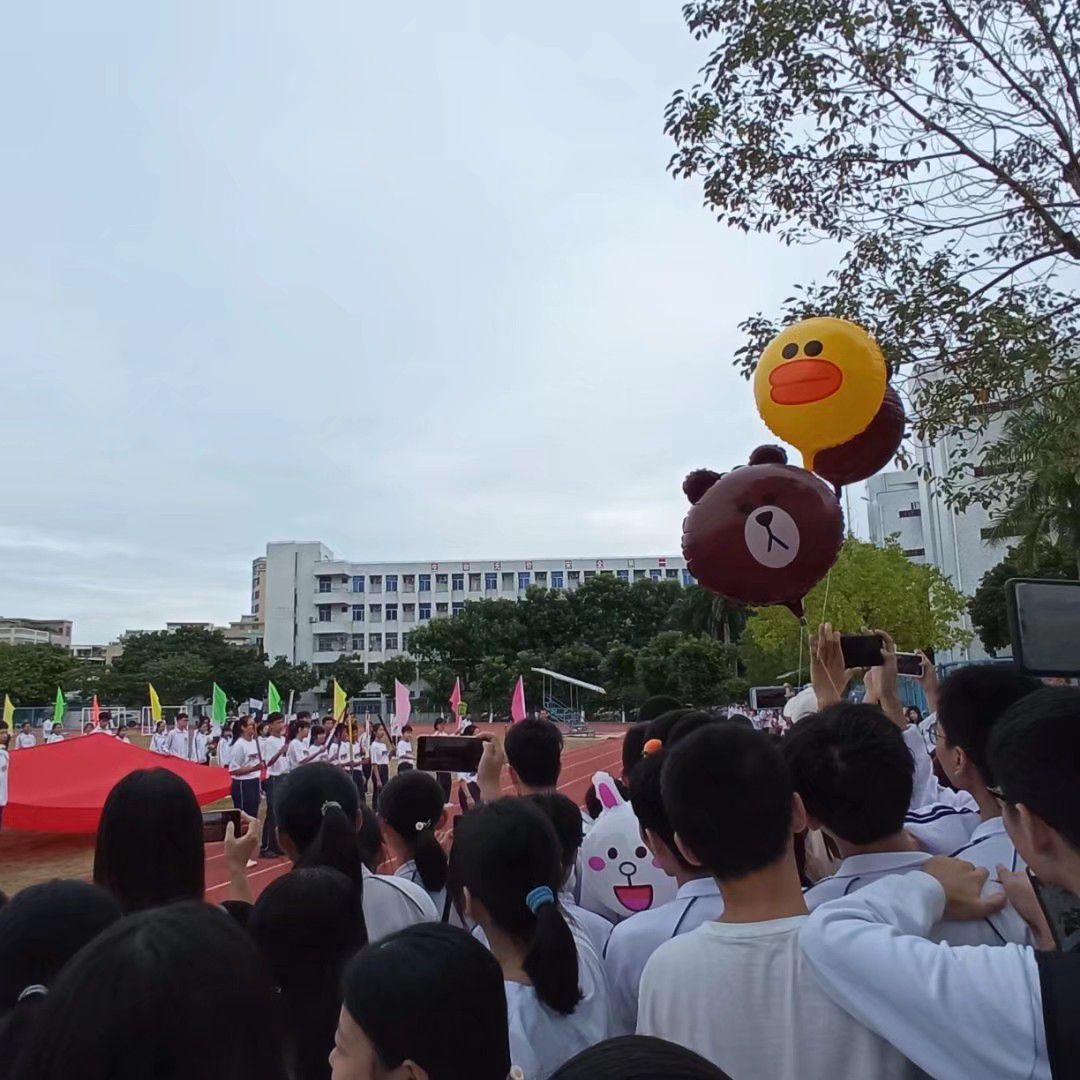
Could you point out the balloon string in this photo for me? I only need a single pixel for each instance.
(825, 606)
(802, 627)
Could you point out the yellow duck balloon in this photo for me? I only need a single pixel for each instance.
(822, 385)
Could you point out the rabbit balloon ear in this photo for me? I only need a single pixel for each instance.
(606, 791)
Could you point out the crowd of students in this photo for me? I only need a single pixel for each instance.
(848, 905)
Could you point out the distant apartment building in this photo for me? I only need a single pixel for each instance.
(36, 632)
(258, 586)
(319, 607)
(98, 654)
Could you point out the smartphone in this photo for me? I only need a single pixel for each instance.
(862, 650)
(908, 663)
(1044, 625)
(1062, 911)
(214, 823)
(448, 753)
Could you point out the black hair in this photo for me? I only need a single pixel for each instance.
(150, 841)
(439, 721)
(534, 752)
(502, 852)
(915, 709)
(1034, 755)
(292, 729)
(316, 807)
(632, 745)
(691, 721)
(237, 729)
(853, 770)
(728, 795)
(469, 729)
(369, 837)
(971, 700)
(308, 925)
(648, 803)
(661, 726)
(433, 995)
(303, 714)
(103, 1018)
(638, 1057)
(565, 818)
(656, 706)
(41, 929)
(412, 804)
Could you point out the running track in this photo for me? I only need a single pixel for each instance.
(579, 764)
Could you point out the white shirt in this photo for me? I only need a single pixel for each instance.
(270, 745)
(595, 927)
(224, 752)
(946, 825)
(158, 742)
(542, 1039)
(858, 871)
(181, 744)
(51, 738)
(404, 751)
(298, 750)
(242, 754)
(47, 726)
(924, 783)
(24, 740)
(985, 1019)
(991, 847)
(743, 997)
(408, 871)
(391, 904)
(635, 939)
(5, 761)
(202, 741)
(380, 753)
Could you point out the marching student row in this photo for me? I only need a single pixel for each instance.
(818, 929)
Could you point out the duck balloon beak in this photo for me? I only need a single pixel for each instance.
(801, 382)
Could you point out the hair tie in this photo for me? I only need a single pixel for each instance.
(34, 990)
(540, 896)
(653, 746)
(326, 806)
(422, 825)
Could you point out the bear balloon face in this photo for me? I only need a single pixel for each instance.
(763, 534)
(618, 876)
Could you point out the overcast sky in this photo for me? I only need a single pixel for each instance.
(410, 279)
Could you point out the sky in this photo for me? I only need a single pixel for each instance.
(408, 279)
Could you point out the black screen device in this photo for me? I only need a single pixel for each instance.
(448, 753)
(862, 650)
(1044, 625)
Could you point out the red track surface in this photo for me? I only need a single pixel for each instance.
(579, 764)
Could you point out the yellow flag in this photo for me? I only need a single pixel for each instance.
(9, 713)
(341, 702)
(155, 704)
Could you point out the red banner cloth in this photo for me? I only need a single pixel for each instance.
(61, 787)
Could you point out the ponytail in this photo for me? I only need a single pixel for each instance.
(412, 805)
(430, 859)
(552, 960)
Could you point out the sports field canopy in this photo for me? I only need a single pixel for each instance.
(61, 787)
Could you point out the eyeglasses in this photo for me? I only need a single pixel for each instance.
(932, 731)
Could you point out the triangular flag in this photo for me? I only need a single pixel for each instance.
(273, 698)
(219, 706)
(517, 701)
(341, 702)
(155, 704)
(95, 712)
(9, 713)
(59, 708)
(402, 705)
(455, 701)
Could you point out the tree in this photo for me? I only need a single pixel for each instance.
(989, 613)
(619, 676)
(699, 611)
(350, 674)
(292, 678)
(870, 587)
(938, 145)
(396, 669)
(695, 669)
(30, 674)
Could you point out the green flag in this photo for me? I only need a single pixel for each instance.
(220, 706)
(59, 708)
(273, 698)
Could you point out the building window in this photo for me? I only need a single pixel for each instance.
(404, 642)
(358, 613)
(375, 612)
(376, 582)
(573, 576)
(589, 574)
(425, 612)
(330, 642)
(440, 582)
(358, 642)
(688, 578)
(457, 608)
(491, 582)
(324, 584)
(358, 583)
(391, 641)
(508, 581)
(408, 612)
(656, 575)
(408, 583)
(639, 575)
(458, 584)
(914, 553)
(474, 583)
(425, 583)
(623, 575)
(391, 582)
(671, 575)
(375, 642)
(524, 578)
(541, 578)
(556, 579)
(915, 511)
(440, 609)
(324, 613)
(391, 612)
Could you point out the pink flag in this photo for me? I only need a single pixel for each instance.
(455, 701)
(517, 701)
(402, 705)
(95, 712)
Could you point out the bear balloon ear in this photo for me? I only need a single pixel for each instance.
(698, 482)
(769, 455)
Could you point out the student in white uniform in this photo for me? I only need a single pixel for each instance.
(5, 763)
(317, 812)
(698, 900)
(25, 739)
(412, 812)
(379, 751)
(737, 990)
(853, 772)
(202, 742)
(158, 741)
(1009, 1013)
(273, 759)
(54, 736)
(244, 767)
(404, 751)
(506, 859)
(180, 742)
(299, 743)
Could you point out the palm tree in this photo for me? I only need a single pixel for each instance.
(1041, 449)
(702, 612)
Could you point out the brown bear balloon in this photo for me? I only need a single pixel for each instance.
(764, 533)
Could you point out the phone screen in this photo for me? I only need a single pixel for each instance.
(214, 823)
(908, 663)
(1044, 624)
(862, 650)
(1062, 911)
(448, 753)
